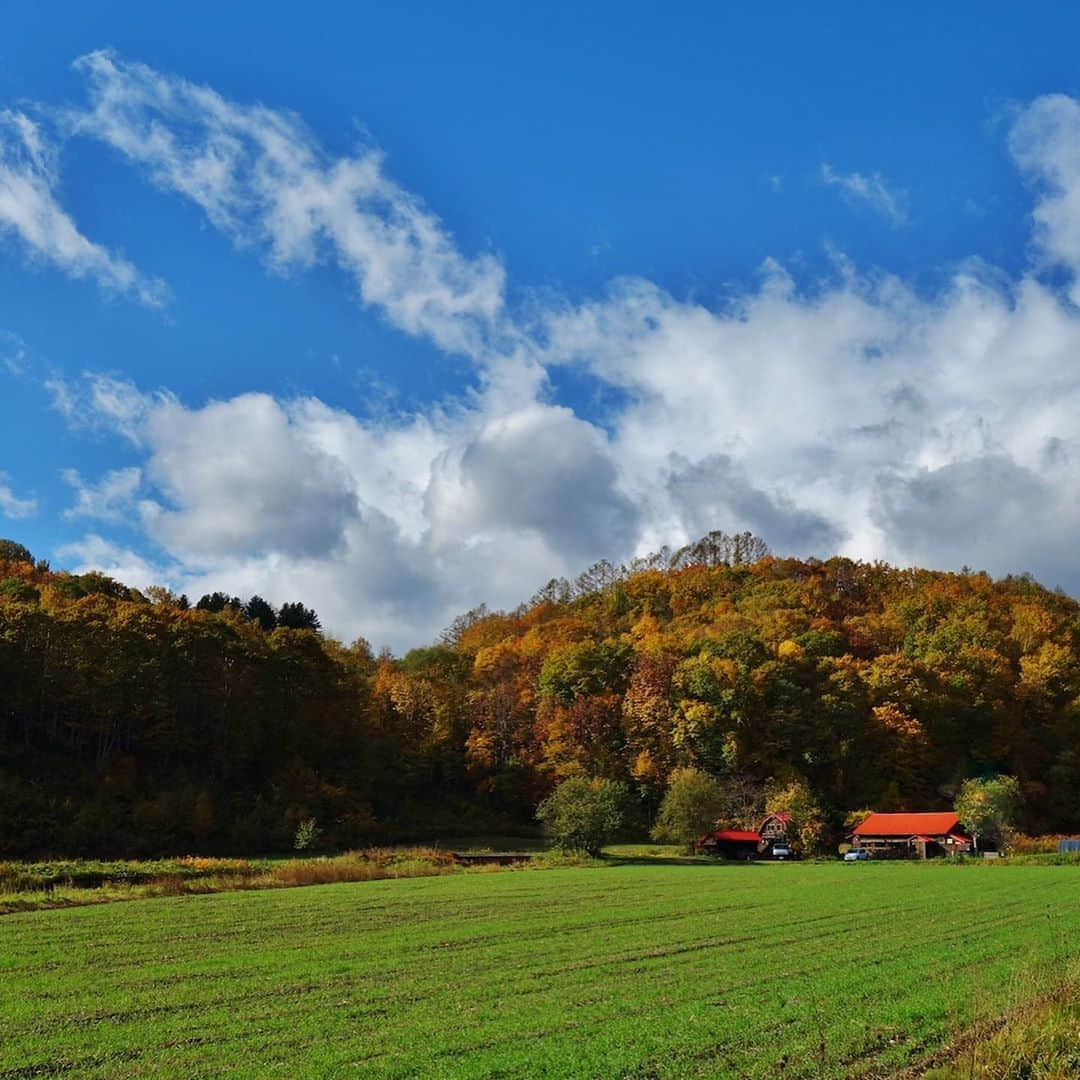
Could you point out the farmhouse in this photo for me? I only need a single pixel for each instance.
(912, 836)
(773, 830)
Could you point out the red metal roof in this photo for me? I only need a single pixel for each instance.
(936, 823)
(736, 835)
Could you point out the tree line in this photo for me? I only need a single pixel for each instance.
(134, 722)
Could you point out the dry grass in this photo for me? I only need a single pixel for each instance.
(370, 865)
(28, 887)
(1039, 1040)
(1035, 845)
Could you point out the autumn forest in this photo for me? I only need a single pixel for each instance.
(136, 723)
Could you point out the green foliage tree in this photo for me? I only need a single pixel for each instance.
(258, 610)
(20, 590)
(988, 808)
(12, 551)
(691, 806)
(575, 670)
(583, 814)
(295, 616)
(807, 825)
(218, 601)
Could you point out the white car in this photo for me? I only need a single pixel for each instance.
(856, 855)
(781, 851)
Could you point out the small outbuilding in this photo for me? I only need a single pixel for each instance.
(730, 844)
(912, 836)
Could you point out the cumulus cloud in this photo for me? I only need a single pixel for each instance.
(389, 527)
(30, 211)
(869, 190)
(987, 511)
(237, 476)
(850, 414)
(539, 470)
(95, 552)
(716, 488)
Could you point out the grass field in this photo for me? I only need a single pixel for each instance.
(636, 971)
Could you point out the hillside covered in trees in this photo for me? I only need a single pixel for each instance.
(136, 723)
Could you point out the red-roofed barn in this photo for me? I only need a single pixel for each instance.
(912, 836)
(730, 844)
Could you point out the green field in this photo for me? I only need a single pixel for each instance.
(637, 970)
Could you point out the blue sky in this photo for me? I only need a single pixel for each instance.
(530, 288)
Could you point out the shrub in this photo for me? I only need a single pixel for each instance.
(583, 814)
(307, 835)
(692, 803)
(1035, 845)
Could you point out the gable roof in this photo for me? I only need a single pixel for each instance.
(935, 823)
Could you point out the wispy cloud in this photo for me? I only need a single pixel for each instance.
(111, 499)
(29, 211)
(261, 176)
(11, 505)
(14, 356)
(871, 191)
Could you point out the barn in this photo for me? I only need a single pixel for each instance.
(912, 836)
(730, 844)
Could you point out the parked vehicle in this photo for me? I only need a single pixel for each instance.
(781, 851)
(856, 855)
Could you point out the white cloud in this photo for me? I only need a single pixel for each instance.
(260, 176)
(29, 210)
(12, 506)
(94, 552)
(388, 527)
(241, 477)
(1045, 141)
(540, 471)
(852, 414)
(14, 355)
(111, 499)
(871, 191)
(975, 511)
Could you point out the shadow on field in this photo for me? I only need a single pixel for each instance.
(675, 860)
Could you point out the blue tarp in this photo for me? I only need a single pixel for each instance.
(1069, 845)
